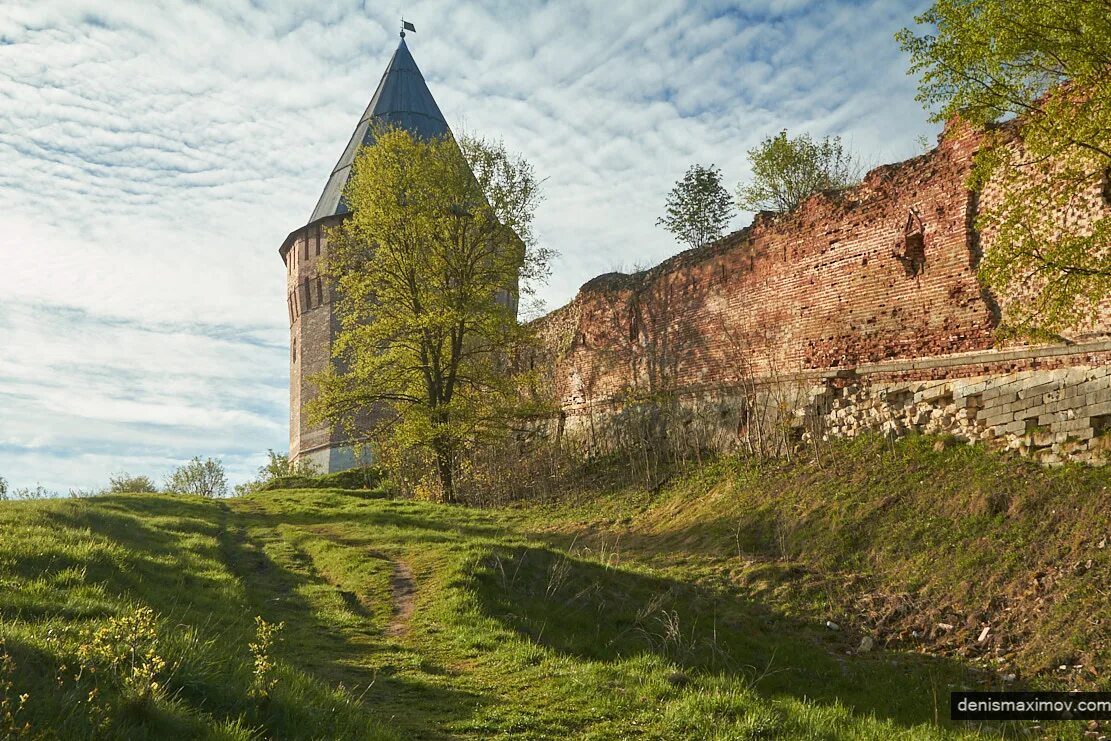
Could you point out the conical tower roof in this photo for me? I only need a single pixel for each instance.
(403, 100)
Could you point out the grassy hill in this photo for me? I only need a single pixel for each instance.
(694, 612)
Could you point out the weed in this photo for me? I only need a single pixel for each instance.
(127, 649)
(11, 705)
(265, 677)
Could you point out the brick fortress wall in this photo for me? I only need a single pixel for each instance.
(842, 315)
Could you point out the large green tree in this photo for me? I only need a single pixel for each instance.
(1043, 70)
(787, 170)
(429, 270)
(698, 208)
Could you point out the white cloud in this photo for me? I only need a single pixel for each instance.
(153, 155)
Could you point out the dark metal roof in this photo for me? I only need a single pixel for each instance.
(402, 99)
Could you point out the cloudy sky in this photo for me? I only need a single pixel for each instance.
(154, 154)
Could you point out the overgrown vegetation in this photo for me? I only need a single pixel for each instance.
(693, 611)
(126, 483)
(279, 468)
(786, 170)
(368, 477)
(1046, 63)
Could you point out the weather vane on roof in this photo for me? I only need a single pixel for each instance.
(407, 26)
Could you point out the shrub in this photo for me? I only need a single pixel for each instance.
(787, 170)
(38, 491)
(12, 704)
(125, 649)
(205, 478)
(3, 488)
(125, 483)
(278, 467)
(366, 477)
(265, 677)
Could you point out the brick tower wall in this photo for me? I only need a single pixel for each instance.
(312, 326)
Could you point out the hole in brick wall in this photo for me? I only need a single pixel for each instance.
(1031, 425)
(1101, 424)
(913, 255)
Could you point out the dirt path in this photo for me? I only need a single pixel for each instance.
(403, 589)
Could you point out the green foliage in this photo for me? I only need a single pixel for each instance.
(265, 677)
(11, 705)
(125, 649)
(125, 483)
(428, 270)
(278, 464)
(788, 170)
(1047, 64)
(366, 477)
(205, 478)
(698, 207)
(38, 491)
(278, 468)
(3, 489)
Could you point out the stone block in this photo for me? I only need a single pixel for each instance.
(1051, 418)
(996, 420)
(1098, 398)
(1042, 438)
(1098, 410)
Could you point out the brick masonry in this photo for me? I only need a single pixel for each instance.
(851, 300)
(311, 332)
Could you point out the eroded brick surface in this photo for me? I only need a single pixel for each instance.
(882, 273)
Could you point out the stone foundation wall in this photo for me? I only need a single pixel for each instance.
(1051, 403)
(1052, 415)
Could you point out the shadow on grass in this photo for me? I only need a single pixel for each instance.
(324, 649)
(588, 610)
(192, 560)
(422, 522)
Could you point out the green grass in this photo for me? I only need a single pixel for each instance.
(888, 540)
(622, 614)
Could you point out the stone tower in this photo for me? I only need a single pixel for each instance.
(402, 99)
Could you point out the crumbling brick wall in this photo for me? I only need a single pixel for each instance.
(882, 272)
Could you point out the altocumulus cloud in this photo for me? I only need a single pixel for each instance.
(153, 155)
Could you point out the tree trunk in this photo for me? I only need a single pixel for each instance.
(447, 476)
